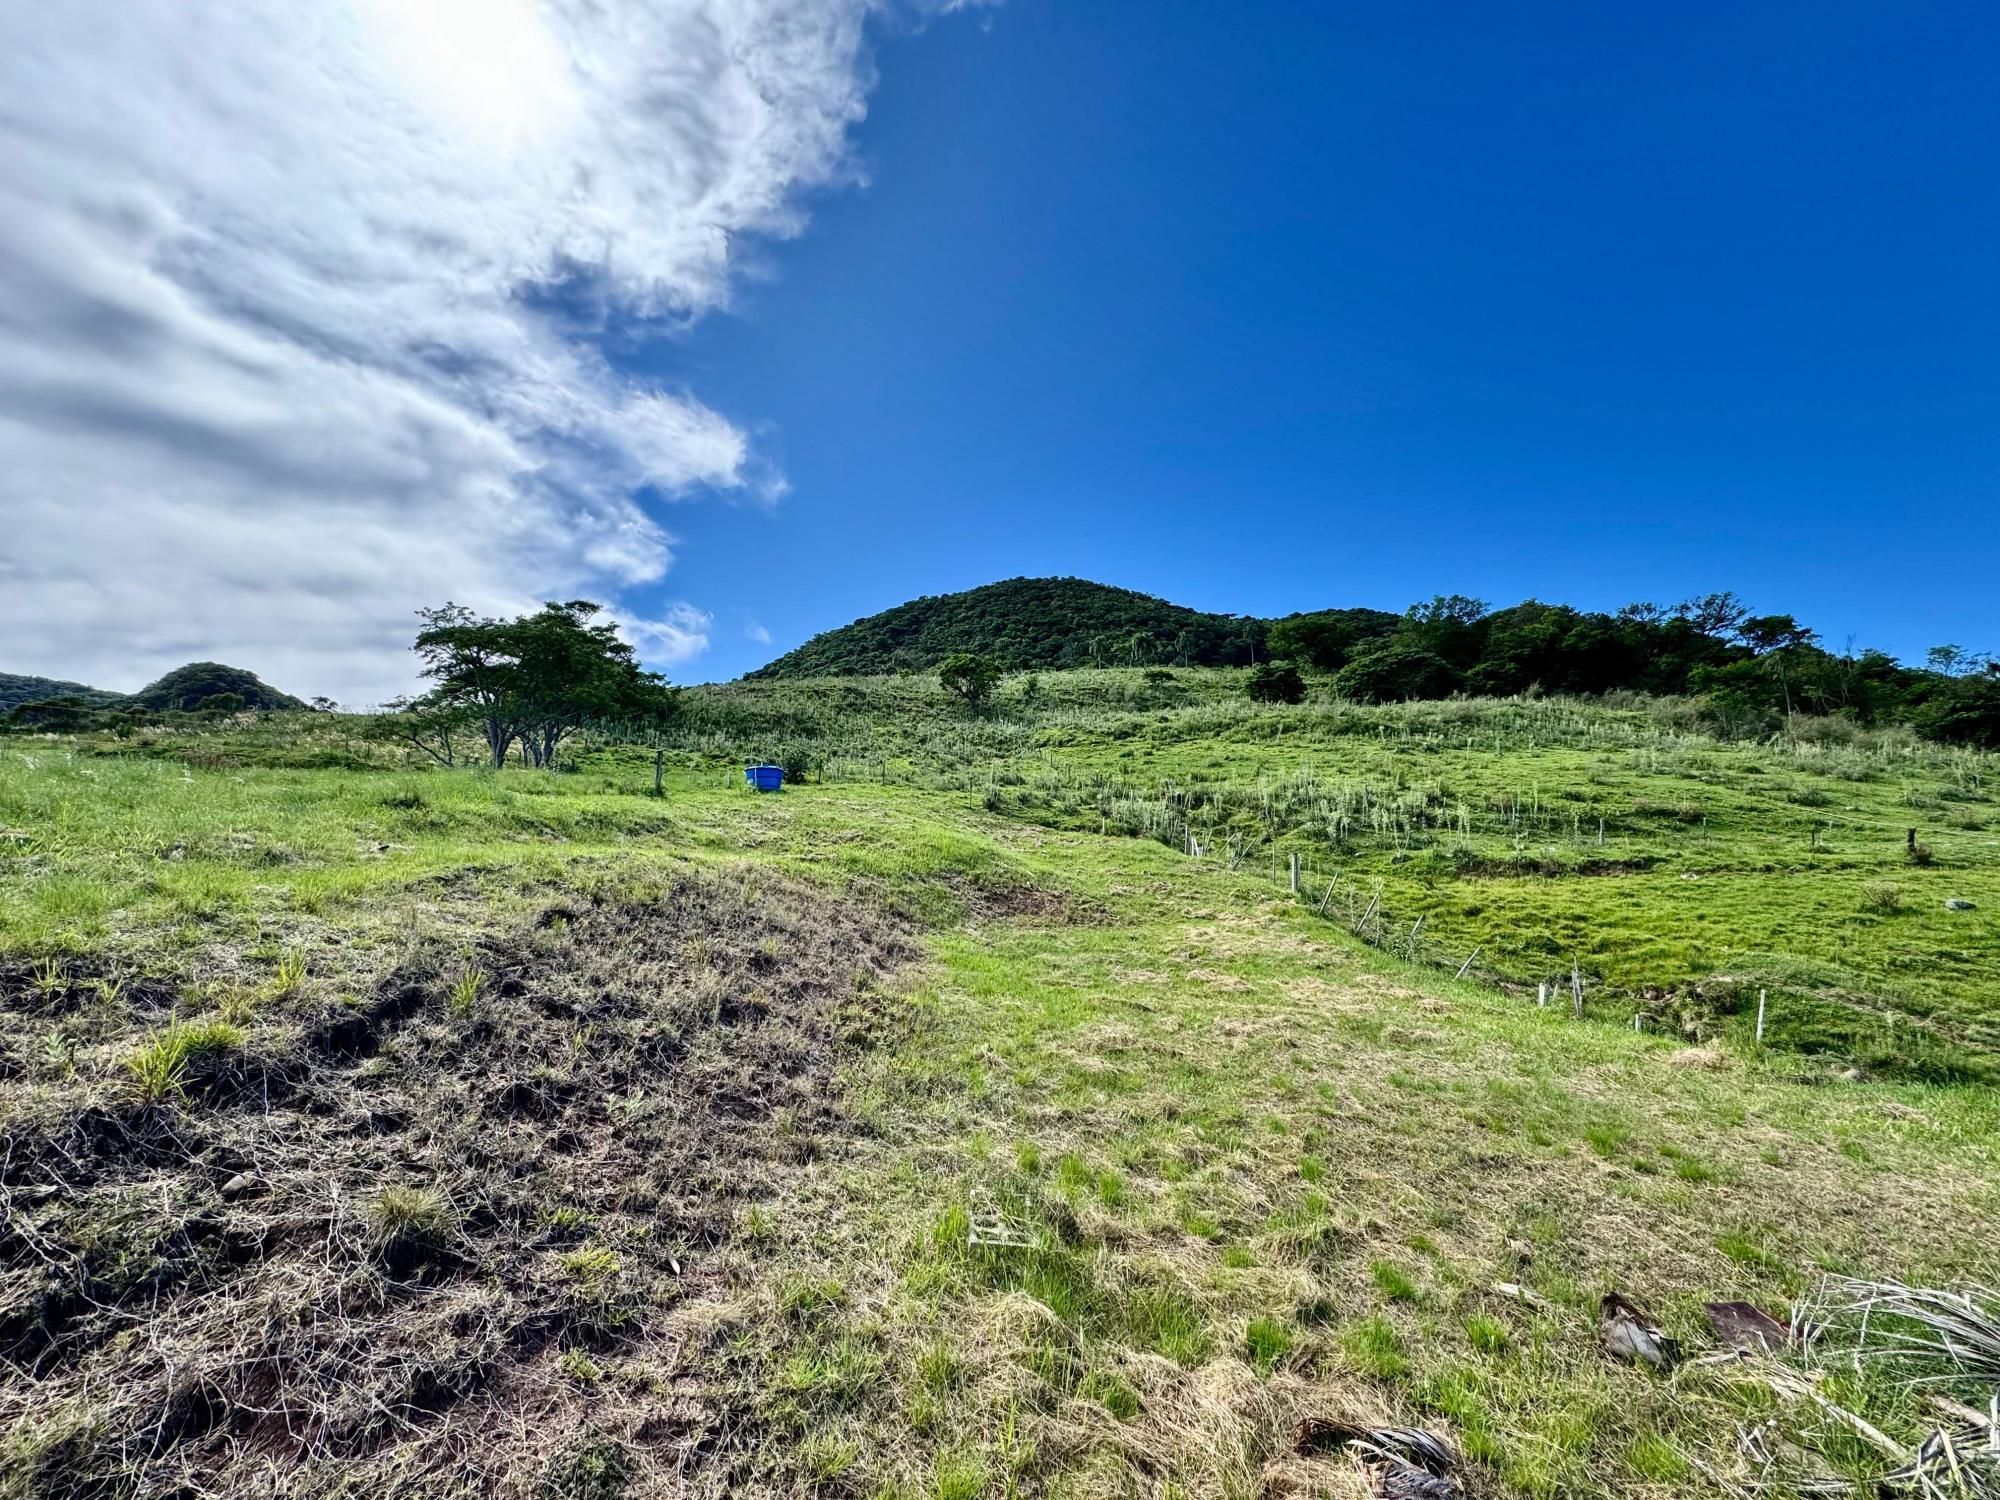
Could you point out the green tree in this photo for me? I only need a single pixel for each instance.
(1394, 672)
(971, 677)
(1276, 682)
(1327, 639)
(535, 679)
(1779, 643)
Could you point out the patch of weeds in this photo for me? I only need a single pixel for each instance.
(1653, 1458)
(595, 1469)
(938, 1368)
(1607, 1138)
(827, 1455)
(1373, 1347)
(592, 1268)
(1487, 1333)
(1028, 1157)
(805, 1298)
(1266, 1340)
(580, 1367)
(1392, 1281)
(409, 1213)
(1200, 1225)
(567, 1219)
(1238, 1257)
(1461, 1394)
(160, 1070)
(952, 1230)
(290, 975)
(1744, 1248)
(958, 1476)
(466, 989)
(1110, 1392)
(833, 1373)
(1164, 1322)
(1312, 1169)
(1694, 1169)
(1882, 895)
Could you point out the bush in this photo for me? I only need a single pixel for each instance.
(1882, 895)
(971, 677)
(1276, 682)
(1395, 673)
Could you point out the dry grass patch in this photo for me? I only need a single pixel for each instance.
(405, 1220)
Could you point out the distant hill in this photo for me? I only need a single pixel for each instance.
(190, 687)
(1027, 624)
(16, 689)
(183, 690)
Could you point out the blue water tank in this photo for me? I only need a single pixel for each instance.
(765, 778)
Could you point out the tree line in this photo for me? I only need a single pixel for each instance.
(1749, 667)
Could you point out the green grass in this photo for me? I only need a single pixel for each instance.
(160, 1069)
(1247, 1165)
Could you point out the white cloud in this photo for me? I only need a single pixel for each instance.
(275, 292)
(755, 632)
(680, 635)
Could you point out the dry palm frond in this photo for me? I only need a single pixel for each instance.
(1936, 1335)
(1924, 1336)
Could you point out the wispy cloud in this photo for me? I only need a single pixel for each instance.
(755, 632)
(275, 288)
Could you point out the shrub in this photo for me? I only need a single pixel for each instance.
(1919, 854)
(1395, 673)
(1882, 895)
(972, 678)
(1276, 682)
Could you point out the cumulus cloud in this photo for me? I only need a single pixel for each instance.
(282, 291)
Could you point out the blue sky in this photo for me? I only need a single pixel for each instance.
(1266, 307)
(749, 317)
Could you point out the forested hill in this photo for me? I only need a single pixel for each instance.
(16, 689)
(1028, 623)
(201, 686)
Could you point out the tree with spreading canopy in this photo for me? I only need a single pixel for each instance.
(535, 679)
(971, 677)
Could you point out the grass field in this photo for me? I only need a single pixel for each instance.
(941, 1127)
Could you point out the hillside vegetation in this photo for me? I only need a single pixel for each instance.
(1023, 624)
(1755, 671)
(983, 1114)
(16, 689)
(199, 687)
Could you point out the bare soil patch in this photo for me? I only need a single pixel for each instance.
(441, 1238)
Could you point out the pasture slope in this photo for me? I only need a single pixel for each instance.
(941, 1126)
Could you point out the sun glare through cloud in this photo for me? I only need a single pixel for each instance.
(275, 353)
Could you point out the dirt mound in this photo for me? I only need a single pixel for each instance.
(431, 1240)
